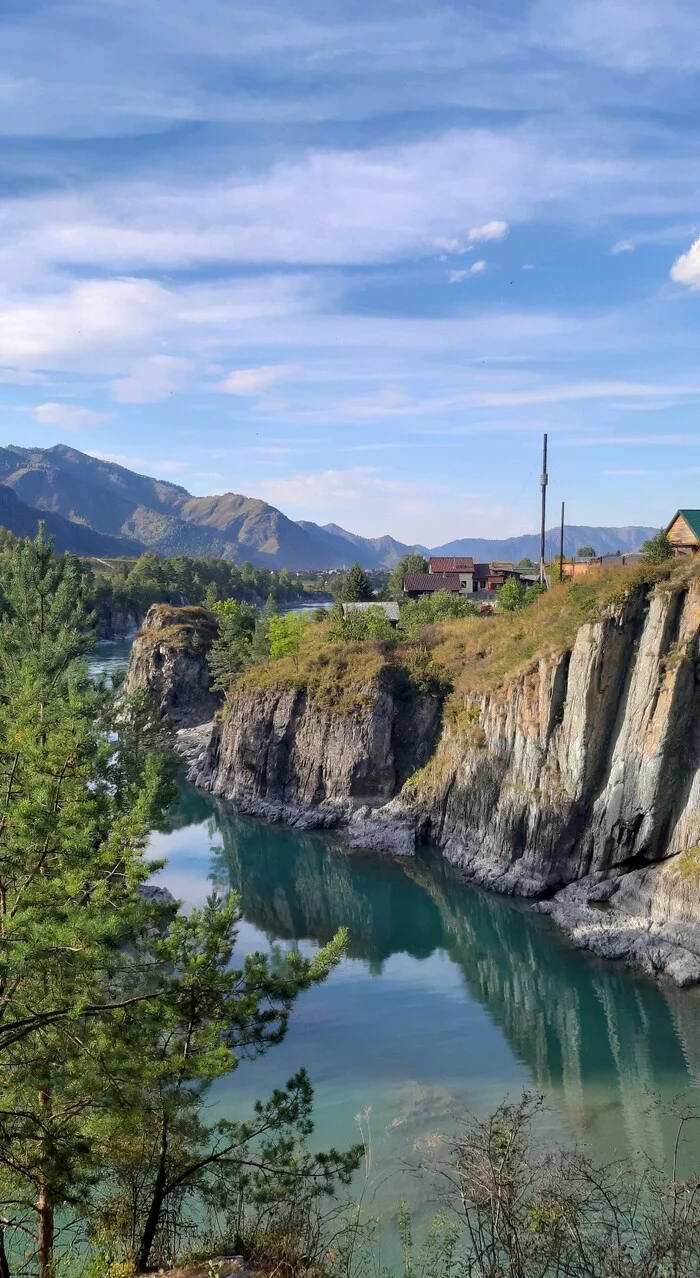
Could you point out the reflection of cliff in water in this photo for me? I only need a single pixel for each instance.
(599, 1042)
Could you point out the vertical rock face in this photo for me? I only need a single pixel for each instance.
(169, 658)
(280, 755)
(587, 763)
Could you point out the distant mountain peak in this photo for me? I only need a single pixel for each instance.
(106, 500)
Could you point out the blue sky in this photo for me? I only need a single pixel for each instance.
(354, 258)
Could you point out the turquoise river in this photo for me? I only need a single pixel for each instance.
(448, 1000)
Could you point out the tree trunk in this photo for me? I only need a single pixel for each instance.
(45, 1235)
(153, 1219)
(45, 1209)
(4, 1264)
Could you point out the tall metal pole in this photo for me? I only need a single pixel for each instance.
(543, 482)
(561, 545)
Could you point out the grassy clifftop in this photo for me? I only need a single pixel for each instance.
(471, 655)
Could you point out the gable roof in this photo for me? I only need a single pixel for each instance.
(428, 581)
(451, 563)
(691, 517)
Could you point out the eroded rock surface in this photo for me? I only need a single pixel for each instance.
(169, 658)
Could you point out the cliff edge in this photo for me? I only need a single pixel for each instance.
(169, 657)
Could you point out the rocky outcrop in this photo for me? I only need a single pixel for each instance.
(169, 658)
(280, 755)
(584, 770)
(586, 764)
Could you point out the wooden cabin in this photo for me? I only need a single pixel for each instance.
(416, 585)
(684, 532)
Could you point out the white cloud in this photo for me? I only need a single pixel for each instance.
(335, 206)
(623, 246)
(151, 380)
(253, 381)
(322, 487)
(449, 246)
(686, 268)
(527, 266)
(632, 35)
(489, 231)
(456, 277)
(68, 416)
(62, 328)
(371, 501)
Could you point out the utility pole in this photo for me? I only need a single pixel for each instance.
(561, 545)
(543, 483)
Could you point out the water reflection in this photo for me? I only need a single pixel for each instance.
(600, 1042)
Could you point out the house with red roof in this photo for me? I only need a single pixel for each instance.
(461, 566)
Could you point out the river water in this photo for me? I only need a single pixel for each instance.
(449, 999)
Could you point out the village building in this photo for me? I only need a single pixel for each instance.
(684, 532)
(461, 576)
(461, 565)
(416, 585)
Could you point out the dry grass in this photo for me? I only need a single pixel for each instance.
(485, 653)
(471, 656)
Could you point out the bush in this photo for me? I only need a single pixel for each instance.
(511, 595)
(438, 607)
(657, 549)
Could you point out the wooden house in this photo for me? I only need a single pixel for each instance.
(684, 532)
(462, 565)
(418, 584)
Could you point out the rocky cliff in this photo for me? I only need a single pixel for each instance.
(572, 777)
(583, 770)
(169, 658)
(282, 755)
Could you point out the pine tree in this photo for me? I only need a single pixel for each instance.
(116, 1012)
(73, 823)
(215, 1013)
(356, 586)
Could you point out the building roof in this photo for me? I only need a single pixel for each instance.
(451, 563)
(692, 518)
(390, 610)
(429, 581)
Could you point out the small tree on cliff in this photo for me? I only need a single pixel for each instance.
(511, 596)
(355, 587)
(231, 651)
(657, 549)
(285, 635)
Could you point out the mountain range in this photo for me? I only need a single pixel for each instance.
(95, 507)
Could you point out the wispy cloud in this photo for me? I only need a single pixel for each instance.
(68, 416)
(151, 380)
(253, 381)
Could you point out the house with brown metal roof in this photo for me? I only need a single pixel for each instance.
(462, 565)
(416, 585)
